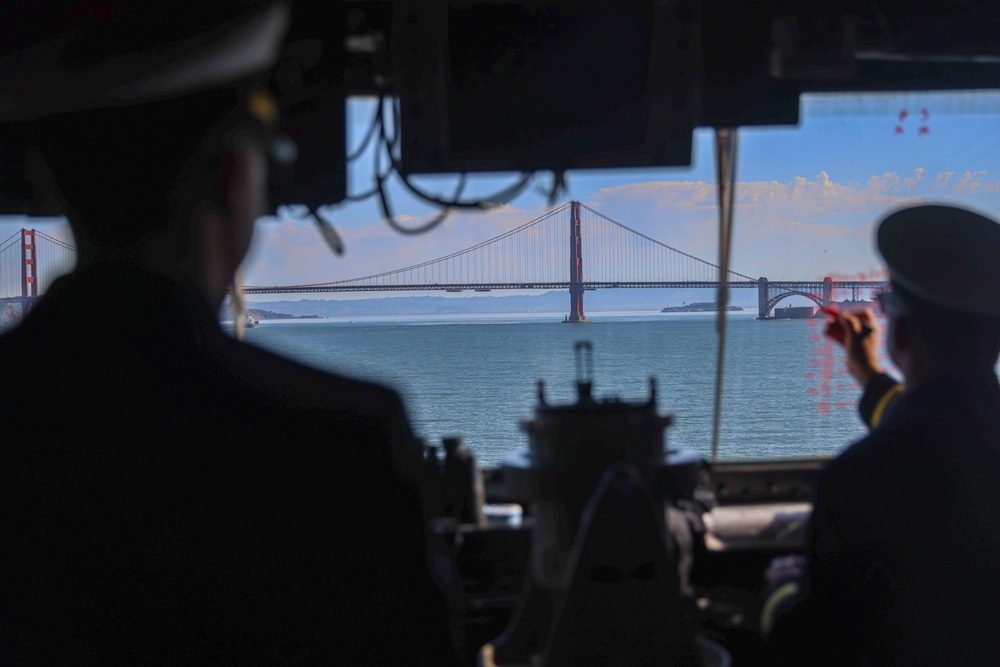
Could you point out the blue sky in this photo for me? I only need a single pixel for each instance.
(807, 199)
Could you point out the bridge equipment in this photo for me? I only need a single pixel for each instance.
(599, 486)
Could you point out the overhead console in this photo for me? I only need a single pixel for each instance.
(503, 85)
(497, 86)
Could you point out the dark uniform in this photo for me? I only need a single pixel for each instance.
(170, 495)
(904, 538)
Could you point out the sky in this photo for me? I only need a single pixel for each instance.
(806, 203)
(807, 197)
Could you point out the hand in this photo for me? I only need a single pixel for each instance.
(857, 333)
(784, 568)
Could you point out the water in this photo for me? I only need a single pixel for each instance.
(476, 376)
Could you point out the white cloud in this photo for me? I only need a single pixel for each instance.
(942, 179)
(804, 228)
(819, 196)
(969, 182)
(912, 182)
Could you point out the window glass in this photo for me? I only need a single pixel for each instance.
(807, 200)
(468, 360)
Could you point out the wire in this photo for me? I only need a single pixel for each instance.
(392, 222)
(55, 241)
(389, 145)
(384, 196)
(369, 133)
(558, 186)
(384, 131)
(327, 231)
(553, 192)
(485, 203)
(376, 128)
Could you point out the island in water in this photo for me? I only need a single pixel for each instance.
(260, 314)
(698, 307)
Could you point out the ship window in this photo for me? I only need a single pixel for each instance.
(806, 201)
(467, 361)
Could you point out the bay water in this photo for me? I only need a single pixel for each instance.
(785, 391)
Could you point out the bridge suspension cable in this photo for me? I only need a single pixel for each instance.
(613, 252)
(504, 258)
(10, 266)
(536, 255)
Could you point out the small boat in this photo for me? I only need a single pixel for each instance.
(250, 322)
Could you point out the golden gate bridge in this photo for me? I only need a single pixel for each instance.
(29, 261)
(572, 247)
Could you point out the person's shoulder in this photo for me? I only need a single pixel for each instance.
(860, 455)
(281, 377)
(863, 469)
(280, 399)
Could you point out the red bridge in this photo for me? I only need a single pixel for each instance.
(29, 262)
(573, 247)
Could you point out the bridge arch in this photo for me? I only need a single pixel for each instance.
(775, 300)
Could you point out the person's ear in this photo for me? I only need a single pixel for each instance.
(224, 228)
(901, 339)
(215, 254)
(901, 333)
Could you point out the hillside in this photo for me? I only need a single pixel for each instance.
(549, 302)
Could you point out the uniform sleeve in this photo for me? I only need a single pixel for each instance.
(816, 615)
(881, 393)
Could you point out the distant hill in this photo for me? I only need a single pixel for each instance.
(262, 314)
(548, 302)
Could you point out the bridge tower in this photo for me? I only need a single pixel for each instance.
(29, 255)
(575, 266)
(763, 295)
(827, 291)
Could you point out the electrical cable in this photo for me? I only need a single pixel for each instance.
(380, 179)
(484, 203)
(392, 222)
(557, 188)
(375, 129)
(369, 133)
(327, 231)
(388, 141)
